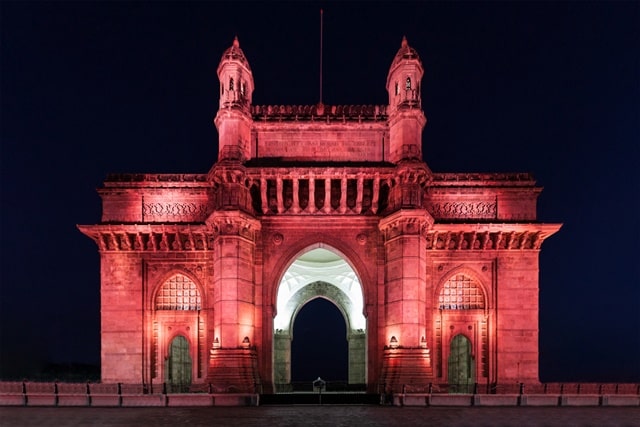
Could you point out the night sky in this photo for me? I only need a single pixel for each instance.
(548, 88)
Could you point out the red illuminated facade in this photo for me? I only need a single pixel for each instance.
(436, 274)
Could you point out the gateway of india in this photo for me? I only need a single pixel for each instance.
(203, 275)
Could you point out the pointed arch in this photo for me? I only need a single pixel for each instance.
(338, 247)
(320, 290)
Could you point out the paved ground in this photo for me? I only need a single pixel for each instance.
(321, 416)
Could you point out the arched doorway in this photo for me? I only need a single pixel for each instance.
(319, 347)
(178, 366)
(319, 274)
(461, 367)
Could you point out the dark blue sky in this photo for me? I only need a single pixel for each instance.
(542, 87)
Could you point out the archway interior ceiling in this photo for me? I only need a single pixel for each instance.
(319, 273)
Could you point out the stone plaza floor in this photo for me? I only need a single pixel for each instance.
(327, 415)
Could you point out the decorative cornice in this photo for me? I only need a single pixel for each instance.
(149, 238)
(448, 237)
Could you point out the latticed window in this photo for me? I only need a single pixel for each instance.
(178, 293)
(460, 292)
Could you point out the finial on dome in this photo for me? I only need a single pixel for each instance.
(404, 43)
(236, 43)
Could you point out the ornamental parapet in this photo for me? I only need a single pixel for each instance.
(448, 237)
(155, 180)
(319, 112)
(483, 179)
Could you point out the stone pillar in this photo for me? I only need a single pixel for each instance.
(406, 295)
(376, 194)
(312, 193)
(295, 208)
(279, 195)
(359, 194)
(233, 363)
(327, 195)
(357, 357)
(263, 195)
(343, 195)
(281, 359)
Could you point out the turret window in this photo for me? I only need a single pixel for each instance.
(221, 88)
(397, 89)
(242, 88)
(408, 83)
(231, 83)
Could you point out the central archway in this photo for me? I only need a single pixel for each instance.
(319, 273)
(319, 347)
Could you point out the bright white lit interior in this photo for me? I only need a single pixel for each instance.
(319, 265)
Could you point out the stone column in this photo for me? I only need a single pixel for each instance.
(327, 195)
(359, 194)
(343, 195)
(376, 193)
(312, 193)
(263, 195)
(295, 208)
(279, 195)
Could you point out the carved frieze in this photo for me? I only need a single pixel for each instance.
(174, 212)
(464, 210)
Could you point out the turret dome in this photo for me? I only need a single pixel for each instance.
(234, 53)
(405, 52)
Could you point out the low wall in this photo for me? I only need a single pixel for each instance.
(550, 394)
(139, 395)
(111, 395)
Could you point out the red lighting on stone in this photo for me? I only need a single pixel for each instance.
(191, 264)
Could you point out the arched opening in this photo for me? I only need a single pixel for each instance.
(319, 346)
(461, 372)
(319, 287)
(178, 366)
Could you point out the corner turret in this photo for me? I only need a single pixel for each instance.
(233, 120)
(406, 118)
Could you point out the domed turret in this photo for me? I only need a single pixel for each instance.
(405, 75)
(236, 79)
(234, 115)
(406, 118)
